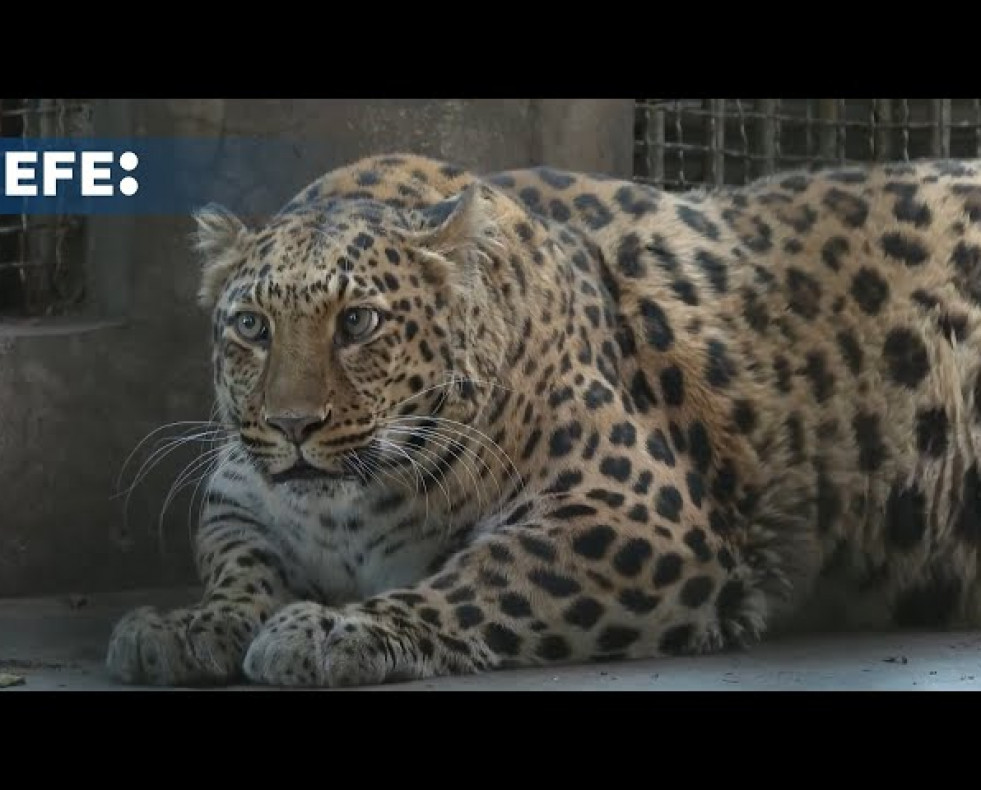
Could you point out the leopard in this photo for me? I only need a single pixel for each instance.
(481, 421)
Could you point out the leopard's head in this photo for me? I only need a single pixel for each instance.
(347, 332)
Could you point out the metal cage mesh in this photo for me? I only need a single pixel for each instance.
(688, 143)
(679, 144)
(41, 257)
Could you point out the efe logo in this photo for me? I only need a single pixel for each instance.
(91, 169)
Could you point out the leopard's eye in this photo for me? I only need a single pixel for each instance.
(252, 327)
(357, 323)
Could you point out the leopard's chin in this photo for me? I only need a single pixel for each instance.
(304, 473)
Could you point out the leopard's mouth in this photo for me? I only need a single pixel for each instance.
(304, 471)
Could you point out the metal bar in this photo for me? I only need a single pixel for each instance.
(827, 113)
(43, 240)
(883, 133)
(774, 134)
(716, 164)
(22, 240)
(655, 131)
(940, 135)
(21, 265)
(41, 273)
(904, 104)
(767, 134)
(840, 154)
(678, 110)
(742, 156)
(777, 133)
(808, 129)
(977, 127)
(60, 107)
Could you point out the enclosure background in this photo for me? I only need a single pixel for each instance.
(101, 340)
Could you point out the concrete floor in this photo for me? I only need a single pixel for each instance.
(58, 644)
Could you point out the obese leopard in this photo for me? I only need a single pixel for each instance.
(532, 417)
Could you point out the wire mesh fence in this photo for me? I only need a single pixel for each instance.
(678, 144)
(41, 257)
(687, 143)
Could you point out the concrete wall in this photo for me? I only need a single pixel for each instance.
(76, 396)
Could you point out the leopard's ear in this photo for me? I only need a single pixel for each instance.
(219, 240)
(458, 233)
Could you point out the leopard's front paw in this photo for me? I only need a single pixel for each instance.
(307, 644)
(185, 647)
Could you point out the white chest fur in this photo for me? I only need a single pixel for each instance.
(335, 543)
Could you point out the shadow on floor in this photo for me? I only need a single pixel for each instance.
(59, 644)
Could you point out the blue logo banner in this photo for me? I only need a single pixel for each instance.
(153, 176)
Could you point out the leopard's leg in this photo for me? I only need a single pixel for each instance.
(578, 584)
(204, 644)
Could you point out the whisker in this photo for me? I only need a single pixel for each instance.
(446, 442)
(511, 468)
(446, 435)
(237, 455)
(437, 474)
(186, 476)
(220, 455)
(163, 451)
(415, 468)
(195, 426)
(361, 467)
(350, 463)
(451, 382)
(412, 463)
(164, 447)
(431, 473)
(371, 457)
(231, 457)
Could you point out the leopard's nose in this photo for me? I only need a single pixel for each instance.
(298, 427)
